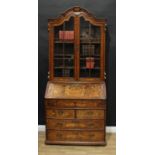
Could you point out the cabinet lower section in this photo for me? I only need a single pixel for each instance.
(75, 137)
(75, 122)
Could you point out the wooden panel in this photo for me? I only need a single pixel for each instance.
(102, 53)
(75, 91)
(90, 114)
(77, 45)
(59, 114)
(51, 52)
(75, 124)
(54, 135)
(75, 103)
(60, 104)
(90, 104)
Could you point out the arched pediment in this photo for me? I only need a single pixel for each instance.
(76, 11)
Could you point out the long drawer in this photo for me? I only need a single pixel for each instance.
(72, 113)
(74, 124)
(75, 104)
(54, 135)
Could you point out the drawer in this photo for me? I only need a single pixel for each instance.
(60, 114)
(90, 114)
(90, 104)
(74, 124)
(75, 103)
(54, 135)
(59, 104)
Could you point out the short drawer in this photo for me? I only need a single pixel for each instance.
(53, 135)
(74, 124)
(60, 104)
(90, 114)
(90, 104)
(60, 114)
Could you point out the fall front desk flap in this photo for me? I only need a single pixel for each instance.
(76, 90)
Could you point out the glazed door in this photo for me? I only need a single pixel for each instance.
(77, 48)
(63, 49)
(91, 52)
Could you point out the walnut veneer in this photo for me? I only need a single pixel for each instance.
(75, 106)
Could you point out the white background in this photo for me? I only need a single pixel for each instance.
(135, 77)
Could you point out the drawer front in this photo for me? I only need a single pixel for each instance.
(75, 103)
(60, 114)
(90, 104)
(54, 135)
(74, 124)
(90, 114)
(60, 104)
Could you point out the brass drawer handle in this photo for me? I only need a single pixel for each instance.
(60, 112)
(54, 103)
(59, 135)
(51, 104)
(53, 114)
(59, 124)
(90, 113)
(90, 125)
(77, 133)
(91, 135)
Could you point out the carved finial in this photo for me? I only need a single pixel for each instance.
(77, 9)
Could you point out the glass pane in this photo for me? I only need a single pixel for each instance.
(64, 49)
(89, 49)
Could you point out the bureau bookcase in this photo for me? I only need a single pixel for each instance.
(75, 97)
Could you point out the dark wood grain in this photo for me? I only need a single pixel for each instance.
(88, 124)
(76, 104)
(77, 46)
(57, 135)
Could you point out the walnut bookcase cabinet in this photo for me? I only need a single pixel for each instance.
(75, 97)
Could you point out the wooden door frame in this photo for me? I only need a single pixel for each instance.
(76, 12)
(77, 46)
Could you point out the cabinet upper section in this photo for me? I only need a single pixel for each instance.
(76, 46)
